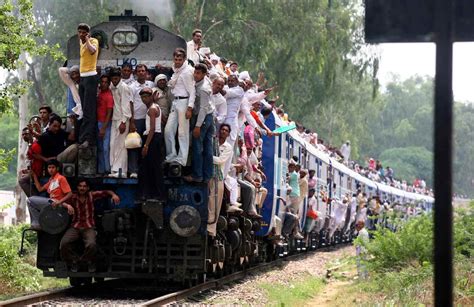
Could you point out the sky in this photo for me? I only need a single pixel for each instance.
(419, 58)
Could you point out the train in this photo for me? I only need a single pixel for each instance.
(167, 240)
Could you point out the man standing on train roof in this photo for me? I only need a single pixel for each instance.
(89, 51)
(82, 226)
(346, 151)
(203, 127)
(193, 47)
(184, 92)
(137, 121)
(120, 124)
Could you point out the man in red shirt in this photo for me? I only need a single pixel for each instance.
(105, 106)
(58, 190)
(82, 226)
(34, 163)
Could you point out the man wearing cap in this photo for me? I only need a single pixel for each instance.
(194, 45)
(184, 92)
(162, 97)
(151, 176)
(89, 52)
(137, 121)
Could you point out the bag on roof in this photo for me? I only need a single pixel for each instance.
(133, 140)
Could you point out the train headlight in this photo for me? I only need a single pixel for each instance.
(125, 39)
(185, 221)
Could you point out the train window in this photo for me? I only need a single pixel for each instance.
(144, 33)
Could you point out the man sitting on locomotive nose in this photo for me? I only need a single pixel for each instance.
(58, 190)
(182, 87)
(89, 52)
(35, 164)
(54, 143)
(82, 226)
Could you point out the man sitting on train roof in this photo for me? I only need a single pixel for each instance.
(56, 143)
(120, 124)
(58, 190)
(193, 47)
(82, 225)
(34, 163)
(184, 92)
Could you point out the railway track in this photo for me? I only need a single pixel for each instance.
(85, 294)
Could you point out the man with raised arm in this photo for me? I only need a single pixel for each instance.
(89, 52)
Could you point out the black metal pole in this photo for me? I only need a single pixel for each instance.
(443, 115)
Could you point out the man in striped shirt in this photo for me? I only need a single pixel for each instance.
(82, 226)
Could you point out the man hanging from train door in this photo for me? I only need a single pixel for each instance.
(89, 51)
(182, 87)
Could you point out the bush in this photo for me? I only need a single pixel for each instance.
(16, 274)
(401, 263)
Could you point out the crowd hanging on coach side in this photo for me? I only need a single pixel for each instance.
(215, 127)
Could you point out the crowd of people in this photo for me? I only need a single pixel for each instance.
(372, 170)
(202, 112)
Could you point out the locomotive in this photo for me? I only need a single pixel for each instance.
(167, 240)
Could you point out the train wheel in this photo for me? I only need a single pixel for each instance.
(77, 281)
(99, 279)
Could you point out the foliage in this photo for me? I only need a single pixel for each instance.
(8, 157)
(18, 35)
(401, 264)
(15, 273)
(409, 162)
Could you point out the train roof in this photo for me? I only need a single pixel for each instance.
(346, 170)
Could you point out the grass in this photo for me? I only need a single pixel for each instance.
(295, 293)
(18, 275)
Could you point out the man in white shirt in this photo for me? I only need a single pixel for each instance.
(137, 121)
(219, 100)
(184, 92)
(346, 151)
(216, 185)
(120, 124)
(194, 45)
(127, 73)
